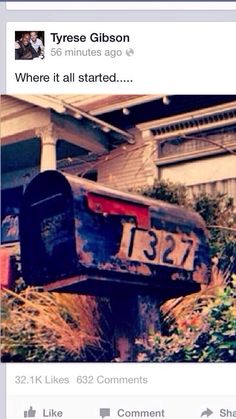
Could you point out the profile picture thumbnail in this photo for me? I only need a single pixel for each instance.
(29, 45)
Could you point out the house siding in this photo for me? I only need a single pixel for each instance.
(201, 171)
(210, 175)
(130, 166)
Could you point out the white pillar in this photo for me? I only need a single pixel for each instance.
(48, 160)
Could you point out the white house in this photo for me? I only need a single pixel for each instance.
(121, 141)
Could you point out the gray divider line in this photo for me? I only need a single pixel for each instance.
(121, 15)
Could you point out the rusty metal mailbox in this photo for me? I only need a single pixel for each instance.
(79, 236)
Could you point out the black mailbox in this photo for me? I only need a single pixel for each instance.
(79, 236)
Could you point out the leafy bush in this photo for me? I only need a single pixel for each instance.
(174, 193)
(218, 213)
(201, 329)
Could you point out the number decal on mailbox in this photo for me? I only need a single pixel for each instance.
(186, 253)
(158, 247)
(170, 247)
(152, 253)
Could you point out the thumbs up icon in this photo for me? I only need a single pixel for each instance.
(31, 413)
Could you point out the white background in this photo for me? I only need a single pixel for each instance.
(183, 390)
(170, 57)
(163, 379)
(122, 5)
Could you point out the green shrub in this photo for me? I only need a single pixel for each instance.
(174, 193)
(218, 212)
(201, 329)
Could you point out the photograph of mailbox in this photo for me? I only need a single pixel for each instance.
(118, 228)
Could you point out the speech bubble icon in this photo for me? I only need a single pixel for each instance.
(105, 413)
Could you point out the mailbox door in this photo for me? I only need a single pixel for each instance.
(47, 230)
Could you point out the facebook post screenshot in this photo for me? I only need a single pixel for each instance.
(118, 209)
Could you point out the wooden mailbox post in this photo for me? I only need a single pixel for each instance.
(78, 236)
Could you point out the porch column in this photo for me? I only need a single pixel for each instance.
(48, 159)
